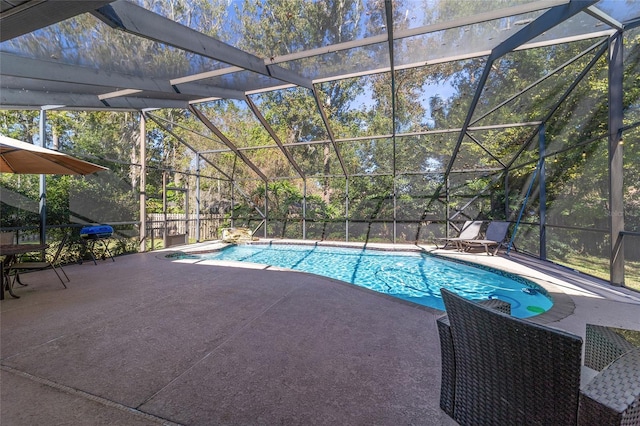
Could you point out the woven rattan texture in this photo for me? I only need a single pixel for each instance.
(448, 370)
(509, 371)
(447, 381)
(613, 396)
(603, 346)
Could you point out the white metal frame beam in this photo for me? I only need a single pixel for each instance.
(203, 118)
(34, 100)
(144, 23)
(383, 38)
(35, 14)
(544, 22)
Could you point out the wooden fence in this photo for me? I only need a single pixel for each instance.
(176, 224)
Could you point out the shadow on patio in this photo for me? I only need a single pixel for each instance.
(146, 341)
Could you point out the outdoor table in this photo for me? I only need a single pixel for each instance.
(10, 251)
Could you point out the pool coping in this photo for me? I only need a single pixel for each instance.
(563, 305)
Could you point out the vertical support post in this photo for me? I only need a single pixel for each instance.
(165, 229)
(186, 213)
(395, 208)
(266, 207)
(43, 182)
(388, 4)
(143, 183)
(304, 209)
(507, 210)
(542, 183)
(233, 203)
(447, 209)
(616, 187)
(197, 197)
(346, 209)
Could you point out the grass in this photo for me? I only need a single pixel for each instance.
(599, 267)
(630, 336)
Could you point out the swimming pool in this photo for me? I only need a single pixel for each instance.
(412, 276)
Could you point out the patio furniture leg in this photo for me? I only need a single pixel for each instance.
(9, 287)
(65, 274)
(59, 277)
(5, 279)
(86, 249)
(106, 252)
(17, 278)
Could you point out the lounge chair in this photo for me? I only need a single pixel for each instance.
(53, 263)
(470, 230)
(495, 236)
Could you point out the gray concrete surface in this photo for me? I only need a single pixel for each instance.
(145, 340)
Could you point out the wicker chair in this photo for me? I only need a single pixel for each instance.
(497, 369)
(508, 371)
(613, 396)
(448, 378)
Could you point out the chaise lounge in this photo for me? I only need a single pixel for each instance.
(470, 231)
(495, 236)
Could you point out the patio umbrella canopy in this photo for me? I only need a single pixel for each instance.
(26, 158)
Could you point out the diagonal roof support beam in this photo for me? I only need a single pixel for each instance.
(33, 99)
(477, 142)
(32, 15)
(603, 49)
(389, 12)
(227, 142)
(540, 80)
(199, 153)
(634, 23)
(20, 66)
(185, 143)
(139, 21)
(327, 126)
(274, 136)
(488, 186)
(544, 22)
(601, 16)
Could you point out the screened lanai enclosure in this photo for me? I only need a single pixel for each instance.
(354, 120)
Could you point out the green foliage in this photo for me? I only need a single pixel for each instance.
(523, 86)
(25, 208)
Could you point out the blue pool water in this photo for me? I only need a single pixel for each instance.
(407, 275)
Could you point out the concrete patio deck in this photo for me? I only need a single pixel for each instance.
(144, 340)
